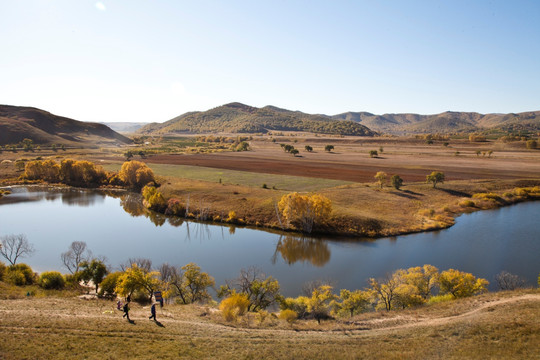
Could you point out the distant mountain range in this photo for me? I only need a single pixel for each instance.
(446, 122)
(125, 127)
(240, 118)
(18, 123)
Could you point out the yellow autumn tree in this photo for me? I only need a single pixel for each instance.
(136, 174)
(381, 178)
(137, 279)
(461, 284)
(304, 211)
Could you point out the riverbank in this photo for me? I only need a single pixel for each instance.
(359, 210)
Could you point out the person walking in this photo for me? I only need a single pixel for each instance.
(126, 311)
(153, 312)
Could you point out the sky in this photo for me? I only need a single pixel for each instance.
(152, 60)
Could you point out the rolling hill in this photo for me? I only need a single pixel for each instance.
(18, 123)
(240, 118)
(446, 122)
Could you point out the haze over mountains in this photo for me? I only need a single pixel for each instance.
(240, 118)
(18, 123)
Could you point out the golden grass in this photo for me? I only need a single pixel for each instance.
(494, 325)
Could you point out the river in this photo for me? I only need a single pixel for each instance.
(118, 227)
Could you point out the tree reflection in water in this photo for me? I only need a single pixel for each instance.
(293, 249)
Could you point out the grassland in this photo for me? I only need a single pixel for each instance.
(220, 182)
(500, 325)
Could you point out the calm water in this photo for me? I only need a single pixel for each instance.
(116, 226)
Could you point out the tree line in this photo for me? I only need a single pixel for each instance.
(252, 291)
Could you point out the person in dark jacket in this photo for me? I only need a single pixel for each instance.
(153, 312)
(126, 311)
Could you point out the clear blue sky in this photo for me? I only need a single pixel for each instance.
(152, 60)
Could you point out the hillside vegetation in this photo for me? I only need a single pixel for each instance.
(18, 123)
(240, 118)
(446, 122)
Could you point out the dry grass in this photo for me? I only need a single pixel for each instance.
(496, 325)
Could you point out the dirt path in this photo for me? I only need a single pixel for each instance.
(373, 327)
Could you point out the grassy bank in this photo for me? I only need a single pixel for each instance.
(495, 325)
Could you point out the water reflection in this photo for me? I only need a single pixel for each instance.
(294, 249)
(68, 196)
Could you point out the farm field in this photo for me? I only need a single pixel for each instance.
(251, 183)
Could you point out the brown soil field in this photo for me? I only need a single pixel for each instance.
(350, 161)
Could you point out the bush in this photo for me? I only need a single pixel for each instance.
(109, 284)
(3, 270)
(298, 305)
(288, 315)
(51, 280)
(440, 298)
(487, 196)
(14, 272)
(175, 207)
(234, 306)
(466, 203)
(15, 277)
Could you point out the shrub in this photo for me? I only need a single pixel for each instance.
(153, 199)
(232, 216)
(487, 196)
(15, 277)
(532, 144)
(234, 306)
(440, 298)
(51, 280)
(288, 315)
(3, 270)
(466, 203)
(174, 207)
(109, 284)
(14, 272)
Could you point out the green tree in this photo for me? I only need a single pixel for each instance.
(329, 148)
(308, 148)
(128, 155)
(381, 150)
(461, 284)
(435, 177)
(381, 178)
(373, 153)
(295, 152)
(94, 270)
(396, 181)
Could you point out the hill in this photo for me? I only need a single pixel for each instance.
(18, 123)
(446, 122)
(240, 118)
(500, 325)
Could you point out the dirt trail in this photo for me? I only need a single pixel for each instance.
(206, 328)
